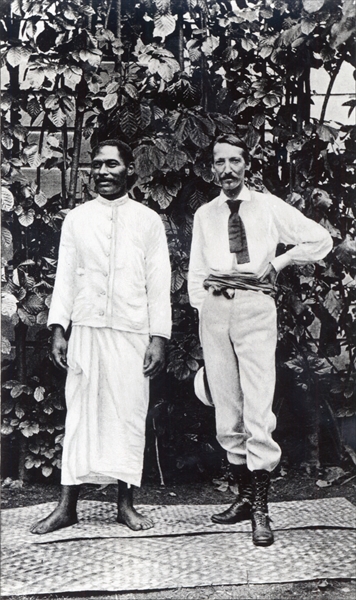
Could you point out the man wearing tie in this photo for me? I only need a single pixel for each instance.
(232, 283)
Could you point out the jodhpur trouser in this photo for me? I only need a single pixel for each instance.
(239, 338)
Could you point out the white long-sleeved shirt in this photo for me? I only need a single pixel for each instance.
(268, 221)
(113, 269)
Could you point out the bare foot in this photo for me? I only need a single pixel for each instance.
(133, 519)
(58, 519)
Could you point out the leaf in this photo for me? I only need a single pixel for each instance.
(247, 44)
(27, 217)
(210, 44)
(18, 55)
(164, 25)
(25, 317)
(146, 116)
(5, 345)
(333, 304)
(7, 199)
(33, 304)
(17, 390)
(6, 428)
(46, 471)
(176, 159)
(114, 86)
(196, 134)
(110, 100)
(8, 304)
(93, 56)
(266, 51)
(128, 122)
(58, 117)
(28, 429)
(7, 140)
(322, 483)
(271, 100)
(177, 281)
(40, 199)
(20, 133)
(308, 26)
(312, 6)
(327, 133)
(346, 251)
(33, 107)
(42, 317)
(32, 155)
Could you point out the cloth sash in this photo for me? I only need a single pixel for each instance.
(227, 284)
(237, 233)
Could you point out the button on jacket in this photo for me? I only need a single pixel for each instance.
(113, 269)
(268, 221)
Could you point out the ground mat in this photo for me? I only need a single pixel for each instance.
(313, 539)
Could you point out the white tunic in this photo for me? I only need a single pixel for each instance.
(113, 269)
(113, 286)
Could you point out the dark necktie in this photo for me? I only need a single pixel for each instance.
(237, 233)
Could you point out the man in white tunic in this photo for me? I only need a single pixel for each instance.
(232, 273)
(113, 288)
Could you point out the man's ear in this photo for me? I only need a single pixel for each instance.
(130, 168)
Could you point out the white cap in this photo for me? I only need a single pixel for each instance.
(201, 388)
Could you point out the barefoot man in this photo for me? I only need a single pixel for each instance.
(113, 288)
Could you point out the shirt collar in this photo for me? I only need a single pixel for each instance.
(117, 202)
(244, 195)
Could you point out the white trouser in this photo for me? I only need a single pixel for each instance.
(239, 337)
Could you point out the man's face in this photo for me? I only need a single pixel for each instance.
(229, 167)
(110, 172)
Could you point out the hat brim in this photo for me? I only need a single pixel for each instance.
(201, 388)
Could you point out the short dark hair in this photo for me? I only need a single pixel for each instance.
(124, 150)
(233, 140)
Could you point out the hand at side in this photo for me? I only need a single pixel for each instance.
(154, 357)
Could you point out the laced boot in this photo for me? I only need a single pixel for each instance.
(261, 531)
(240, 510)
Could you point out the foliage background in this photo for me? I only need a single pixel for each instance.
(167, 76)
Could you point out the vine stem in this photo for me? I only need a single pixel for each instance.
(157, 455)
(329, 89)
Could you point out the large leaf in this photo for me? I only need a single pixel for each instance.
(18, 55)
(27, 217)
(128, 121)
(196, 133)
(8, 304)
(210, 44)
(333, 304)
(164, 25)
(176, 159)
(312, 6)
(110, 100)
(5, 345)
(7, 199)
(327, 133)
(341, 31)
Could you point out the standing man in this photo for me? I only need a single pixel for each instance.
(113, 287)
(231, 282)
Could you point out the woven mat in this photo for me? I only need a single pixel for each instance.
(97, 520)
(323, 549)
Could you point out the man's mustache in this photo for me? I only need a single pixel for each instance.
(228, 177)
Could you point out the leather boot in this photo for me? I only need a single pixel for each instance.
(261, 531)
(240, 510)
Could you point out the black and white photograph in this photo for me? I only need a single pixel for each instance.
(178, 261)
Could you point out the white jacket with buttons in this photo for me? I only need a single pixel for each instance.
(113, 269)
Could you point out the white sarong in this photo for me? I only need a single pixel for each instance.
(107, 401)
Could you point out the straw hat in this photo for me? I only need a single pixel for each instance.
(201, 388)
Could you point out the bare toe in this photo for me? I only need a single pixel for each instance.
(56, 520)
(133, 519)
